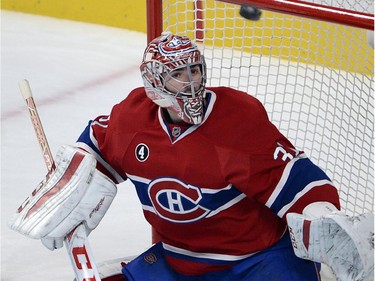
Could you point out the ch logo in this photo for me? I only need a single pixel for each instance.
(150, 258)
(83, 263)
(176, 201)
(177, 42)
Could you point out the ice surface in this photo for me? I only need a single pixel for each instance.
(76, 71)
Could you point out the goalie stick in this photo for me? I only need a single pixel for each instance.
(76, 241)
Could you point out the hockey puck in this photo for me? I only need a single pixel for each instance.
(250, 12)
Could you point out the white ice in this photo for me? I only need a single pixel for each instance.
(76, 71)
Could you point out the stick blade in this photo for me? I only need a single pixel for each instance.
(25, 89)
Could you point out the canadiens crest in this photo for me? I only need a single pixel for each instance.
(150, 258)
(176, 201)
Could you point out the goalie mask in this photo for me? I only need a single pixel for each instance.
(174, 75)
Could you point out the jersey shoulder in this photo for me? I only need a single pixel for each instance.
(234, 108)
(136, 101)
(231, 98)
(239, 121)
(135, 111)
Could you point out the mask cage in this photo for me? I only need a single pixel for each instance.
(156, 73)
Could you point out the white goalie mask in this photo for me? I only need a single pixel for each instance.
(165, 60)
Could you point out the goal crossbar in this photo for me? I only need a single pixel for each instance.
(313, 11)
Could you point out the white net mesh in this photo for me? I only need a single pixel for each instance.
(314, 78)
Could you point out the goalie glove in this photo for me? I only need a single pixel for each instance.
(345, 244)
(74, 193)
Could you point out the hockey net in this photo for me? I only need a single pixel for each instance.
(310, 65)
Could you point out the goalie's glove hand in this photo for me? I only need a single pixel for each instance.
(74, 193)
(345, 244)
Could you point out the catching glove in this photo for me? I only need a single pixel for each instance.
(74, 193)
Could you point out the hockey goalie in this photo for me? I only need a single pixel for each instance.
(228, 195)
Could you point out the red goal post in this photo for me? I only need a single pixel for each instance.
(309, 63)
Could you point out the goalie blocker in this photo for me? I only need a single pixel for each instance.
(346, 244)
(75, 192)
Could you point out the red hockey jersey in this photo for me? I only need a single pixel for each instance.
(215, 193)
